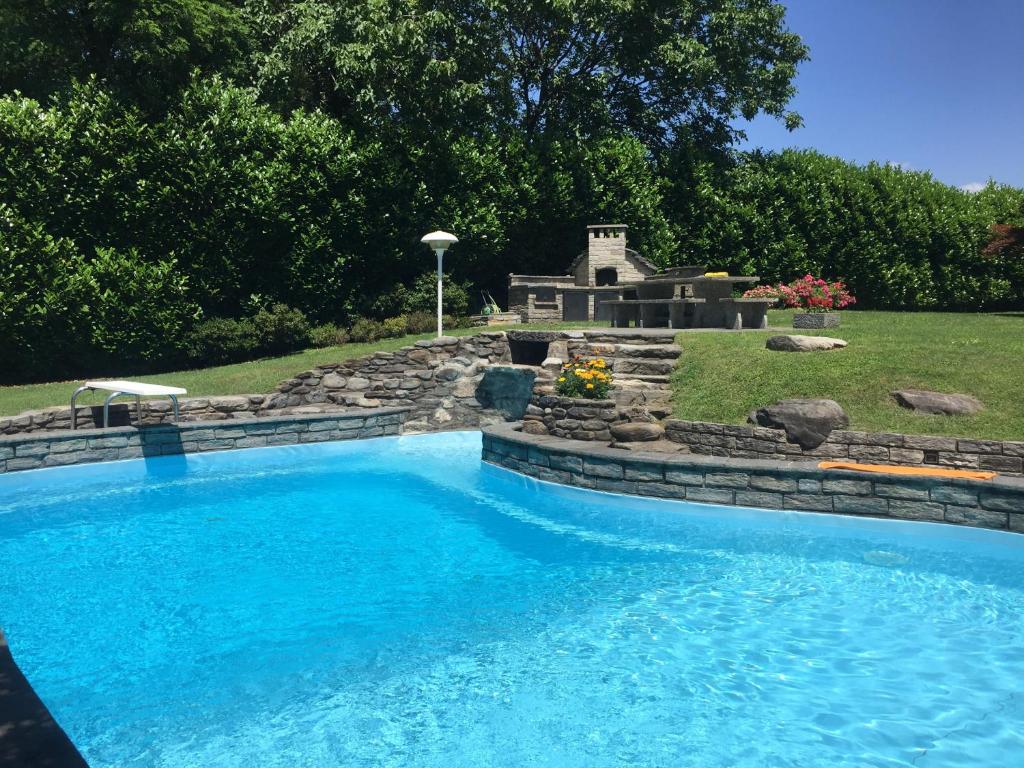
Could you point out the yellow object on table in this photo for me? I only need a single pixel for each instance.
(716, 274)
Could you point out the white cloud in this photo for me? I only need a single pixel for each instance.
(974, 186)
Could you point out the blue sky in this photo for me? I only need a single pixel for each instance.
(934, 85)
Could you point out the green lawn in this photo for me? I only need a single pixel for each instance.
(255, 377)
(722, 377)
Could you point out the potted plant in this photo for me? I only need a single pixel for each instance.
(818, 298)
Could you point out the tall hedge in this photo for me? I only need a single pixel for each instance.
(900, 238)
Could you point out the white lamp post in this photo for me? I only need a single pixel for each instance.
(439, 242)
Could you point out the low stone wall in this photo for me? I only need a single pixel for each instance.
(997, 503)
(569, 417)
(437, 379)
(748, 442)
(52, 449)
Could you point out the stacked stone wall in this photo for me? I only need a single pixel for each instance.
(749, 442)
(798, 486)
(53, 449)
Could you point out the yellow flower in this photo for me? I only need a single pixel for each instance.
(561, 378)
(590, 386)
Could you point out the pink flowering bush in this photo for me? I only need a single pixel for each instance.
(809, 293)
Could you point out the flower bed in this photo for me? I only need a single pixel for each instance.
(809, 293)
(586, 378)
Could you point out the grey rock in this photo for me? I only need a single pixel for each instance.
(807, 422)
(642, 432)
(796, 343)
(333, 381)
(507, 390)
(937, 402)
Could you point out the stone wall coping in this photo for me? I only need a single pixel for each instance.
(191, 426)
(799, 469)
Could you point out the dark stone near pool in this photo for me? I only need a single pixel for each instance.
(641, 432)
(807, 422)
(937, 402)
(507, 390)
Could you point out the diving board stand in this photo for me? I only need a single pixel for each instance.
(121, 388)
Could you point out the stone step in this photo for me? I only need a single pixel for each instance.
(631, 335)
(659, 351)
(641, 380)
(624, 366)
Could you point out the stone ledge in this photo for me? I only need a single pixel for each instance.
(50, 449)
(796, 485)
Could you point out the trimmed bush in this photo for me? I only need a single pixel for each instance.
(394, 327)
(420, 322)
(221, 340)
(280, 329)
(365, 330)
(328, 335)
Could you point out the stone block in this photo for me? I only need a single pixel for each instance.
(906, 456)
(959, 460)
(901, 491)
(710, 495)
(808, 501)
(847, 487)
(951, 494)
(661, 490)
(759, 499)
(982, 518)
(215, 444)
(869, 453)
(251, 441)
(644, 472)
(323, 426)
(566, 462)
(1017, 522)
(538, 457)
(25, 462)
(117, 441)
(41, 448)
(916, 510)
(807, 485)
(726, 479)
(599, 468)
(979, 446)
(684, 477)
(1002, 502)
(1000, 463)
(926, 443)
(772, 483)
(860, 505)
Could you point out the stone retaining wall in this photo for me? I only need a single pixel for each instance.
(51, 449)
(748, 442)
(575, 418)
(437, 379)
(995, 504)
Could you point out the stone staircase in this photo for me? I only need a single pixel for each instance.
(641, 360)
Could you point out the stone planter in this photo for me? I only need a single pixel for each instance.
(574, 418)
(816, 320)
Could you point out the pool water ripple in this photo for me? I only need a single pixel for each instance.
(395, 603)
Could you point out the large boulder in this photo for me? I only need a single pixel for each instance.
(637, 432)
(937, 402)
(807, 422)
(796, 343)
(506, 389)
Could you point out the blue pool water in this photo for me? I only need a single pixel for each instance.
(395, 603)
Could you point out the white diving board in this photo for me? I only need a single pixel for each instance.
(119, 388)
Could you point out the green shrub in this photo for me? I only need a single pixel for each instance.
(420, 322)
(422, 297)
(221, 340)
(328, 335)
(280, 329)
(365, 330)
(394, 327)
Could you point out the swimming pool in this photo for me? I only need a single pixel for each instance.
(394, 602)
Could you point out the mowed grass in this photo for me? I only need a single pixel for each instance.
(722, 377)
(255, 377)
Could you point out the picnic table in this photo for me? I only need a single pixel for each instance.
(689, 302)
(119, 388)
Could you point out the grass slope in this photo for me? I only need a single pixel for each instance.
(254, 377)
(722, 377)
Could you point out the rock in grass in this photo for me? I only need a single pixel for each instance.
(808, 423)
(637, 432)
(795, 343)
(924, 401)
